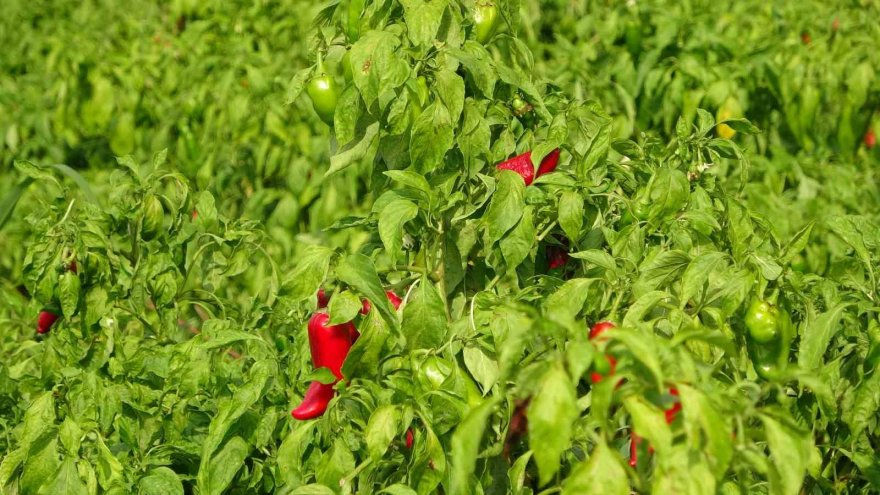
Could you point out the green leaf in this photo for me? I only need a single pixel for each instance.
(465, 445)
(797, 244)
(343, 307)
(432, 136)
(423, 19)
(358, 271)
(552, 413)
(789, 452)
(517, 244)
(424, 317)
(383, 426)
(697, 273)
(414, 181)
(292, 452)
(68, 293)
(640, 308)
(391, 222)
(451, 91)
(348, 110)
(313, 489)
(816, 336)
(365, 149)
(483, 368)
(66, 480)
(601, 474)
(506, 207)
(376, 65)
(7, 206)
(478, 63)
(704, 421)
(223, 466)
(571, 214)
(649, 422)
(564, 305)
(310, 271)
(367, 353)
(335, 464)
(160, 481)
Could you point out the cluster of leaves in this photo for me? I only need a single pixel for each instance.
(182, 348)
(805, 73)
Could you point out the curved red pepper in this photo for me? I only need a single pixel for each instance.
(329, 345)
(45, 320)
(597, 330)
(522, 165)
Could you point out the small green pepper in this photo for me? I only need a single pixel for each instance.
(323, 92)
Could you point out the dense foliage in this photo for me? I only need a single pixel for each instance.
(179, 179)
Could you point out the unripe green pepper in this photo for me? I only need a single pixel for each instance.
(771, 333)
(486, 20)
(154, 216)
(761, 320)
(323, 92)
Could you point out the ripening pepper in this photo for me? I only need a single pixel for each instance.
(45, 320)
(393, 298)
(522, 165)
(601, 369)
(329, 345)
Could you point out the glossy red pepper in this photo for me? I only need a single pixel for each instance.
(329, 345)
(522, 165)
(393, 298)
(634, 442)
(410, 438)
(323, 299)
(596, 331)
(45, 320)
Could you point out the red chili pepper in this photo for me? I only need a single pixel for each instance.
(323, 299)
(673, 411)
(634, 442)
(72, 266)
(329, 345)
(518, 426)
(870, 139)
(522, 165)
(45, 320)
(595, 332)
(393, 298)
(600, 328)
(410, 438)
(558, 257)
(670, 417)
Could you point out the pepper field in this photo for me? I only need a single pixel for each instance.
(562, 246)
